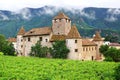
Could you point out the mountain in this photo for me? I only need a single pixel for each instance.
(86, 19)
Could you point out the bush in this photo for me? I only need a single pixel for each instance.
(38, 50)
(108, 59)
(117, 73)
(59, 50)
(1, 53)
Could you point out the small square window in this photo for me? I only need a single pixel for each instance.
(29, 39)
(40, 38)
(76, 50)
(21, 46)
(46, 40)
(75, 41)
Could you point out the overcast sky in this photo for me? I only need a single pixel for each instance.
(18, 4)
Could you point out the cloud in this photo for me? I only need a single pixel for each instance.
(112, 14)
(26, 14)
(90, 15)
(3, 16)
(18, 4)
(111, 18)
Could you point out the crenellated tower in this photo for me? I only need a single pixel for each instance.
(61, 24)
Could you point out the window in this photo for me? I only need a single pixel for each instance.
(60, 20)
(40, 38)
(21, 46)
(46, 40)
(75, 41)
(55, 20)
(29, 39)
(76, 50)
(92, 48)
(83, 49)
(86, 49)
(89, 48)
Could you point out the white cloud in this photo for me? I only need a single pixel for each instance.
(111, 18)
(26, 14)
(18, 4)
(91, 15)
(3, 16)
(112, 15)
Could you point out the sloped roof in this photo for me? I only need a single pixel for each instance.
(114, 44)
(87, 42)
(38, 31)
(97, 37)
(21, 31)
(73, 33)
(58, 37)
(61, 16)
(12, 40)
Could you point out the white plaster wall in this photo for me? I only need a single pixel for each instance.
(33, 41)
(18, 45)
(72, 46)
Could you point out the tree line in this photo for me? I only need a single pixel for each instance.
(6, 48)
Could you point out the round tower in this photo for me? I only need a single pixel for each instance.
(61, 24)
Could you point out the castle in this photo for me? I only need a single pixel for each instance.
(80, 48)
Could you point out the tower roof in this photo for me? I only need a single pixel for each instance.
(61, 15)
(21, 31)
(73, 33)
(97, 37)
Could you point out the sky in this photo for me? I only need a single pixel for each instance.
(14, 5)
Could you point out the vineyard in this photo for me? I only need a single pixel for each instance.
(30, 68)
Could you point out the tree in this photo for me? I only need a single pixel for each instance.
(38, 50)
(103, 49)
(59, 50)
(111, 54)
(6, 47)
(112, 38)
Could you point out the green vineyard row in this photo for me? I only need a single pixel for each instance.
(30, 68)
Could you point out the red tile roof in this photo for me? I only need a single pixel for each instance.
(61, 16)
(87, 42)
(21, 31)
(58, 37)
(114, 44)
(39, 31)
(97, 37)
(73, 33)
(12, 40)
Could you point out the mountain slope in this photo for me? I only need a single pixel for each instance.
(87, 19)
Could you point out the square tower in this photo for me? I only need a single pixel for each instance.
(61, 24)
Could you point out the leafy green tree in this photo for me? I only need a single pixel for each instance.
(110, 54)
(112, 38)
(6, 47)
(38, 50)
(59, 50)
(103, 49)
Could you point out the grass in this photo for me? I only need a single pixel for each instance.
(31, 68)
